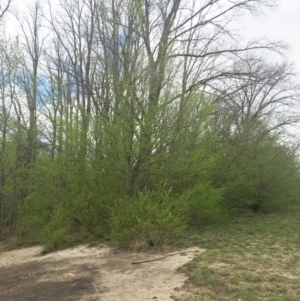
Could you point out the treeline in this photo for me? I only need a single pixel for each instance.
(136, 120)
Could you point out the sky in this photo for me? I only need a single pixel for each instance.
(283, 23)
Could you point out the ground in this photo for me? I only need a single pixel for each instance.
(254, 257)
(100, 274)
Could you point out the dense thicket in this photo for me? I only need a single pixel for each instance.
(135, 120)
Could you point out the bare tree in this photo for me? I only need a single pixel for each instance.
(267, 93)
(4, 8)
(127, 73)
(33, 44)
(75, 32)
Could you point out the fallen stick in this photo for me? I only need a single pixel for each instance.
(155, 259)
(95, 288)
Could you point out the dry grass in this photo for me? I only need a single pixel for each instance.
(253, 258)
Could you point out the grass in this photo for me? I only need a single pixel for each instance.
(252, 258)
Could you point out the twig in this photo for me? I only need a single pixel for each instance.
(95, 288)
(145, 261)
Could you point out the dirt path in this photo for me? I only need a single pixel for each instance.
(99, 275)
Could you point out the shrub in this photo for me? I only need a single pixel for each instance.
(203, 204)
(150, 218)
(56, 234)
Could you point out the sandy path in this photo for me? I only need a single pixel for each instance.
(101, 275)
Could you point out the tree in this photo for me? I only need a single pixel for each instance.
(267, 92)
(4, 8)
(33, 44)
(132, 95)
(9, 63)
(254, 110)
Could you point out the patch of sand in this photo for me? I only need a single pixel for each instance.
(20, 256)
(112, 276)
(218, 265)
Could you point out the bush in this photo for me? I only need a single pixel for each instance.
(152, 218)
(57, 233)
(203, 204)
(261, 177)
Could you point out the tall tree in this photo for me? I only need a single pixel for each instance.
(33, 44)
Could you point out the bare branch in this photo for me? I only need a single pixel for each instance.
(5, 9)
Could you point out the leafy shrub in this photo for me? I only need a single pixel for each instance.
(203, 204)
(261, 177)
(56, 234)
(152, 217)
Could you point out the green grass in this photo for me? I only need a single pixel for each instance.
(252, 258)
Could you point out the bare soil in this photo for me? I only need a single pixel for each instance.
(100, 274)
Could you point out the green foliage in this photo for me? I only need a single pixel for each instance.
(193, 182)
(152, 217)
(13, 182)
(203, 204)
(65, 205)
(85, 147)
(190, 155)
(115, 191)
(57, 232)
(261, 174)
